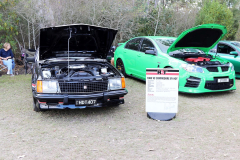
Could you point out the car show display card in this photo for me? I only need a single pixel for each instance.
(162, 93)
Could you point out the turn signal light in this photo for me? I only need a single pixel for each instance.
(123, 82)
(39, 86)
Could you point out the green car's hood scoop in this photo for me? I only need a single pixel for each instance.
(203, 37)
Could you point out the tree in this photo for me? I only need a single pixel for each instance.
(215, 12)
(8, 23)
(167, 19)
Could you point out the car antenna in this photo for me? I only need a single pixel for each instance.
(70, 29)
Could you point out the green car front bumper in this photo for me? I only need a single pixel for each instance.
(203, 83)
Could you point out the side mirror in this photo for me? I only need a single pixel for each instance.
(234, 53)
(152, 52)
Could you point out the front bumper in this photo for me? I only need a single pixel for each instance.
(64, 101)
(207, 83)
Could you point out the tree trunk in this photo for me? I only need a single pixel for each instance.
(34, 39)
(29, 41)
(157, 20)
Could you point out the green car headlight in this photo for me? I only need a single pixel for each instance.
(49, 86)
(232, 67)
(115, 83)
(192, 68)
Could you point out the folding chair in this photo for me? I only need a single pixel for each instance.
(2, 67)
(13, 66)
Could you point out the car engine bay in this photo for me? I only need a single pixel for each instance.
(78, 71)
(199, 59)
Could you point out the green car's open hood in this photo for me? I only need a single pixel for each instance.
(203, 37)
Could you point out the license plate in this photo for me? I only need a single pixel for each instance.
(220, 80)
(85, 102)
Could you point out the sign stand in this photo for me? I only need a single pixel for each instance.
(161, 116)
(162, 93)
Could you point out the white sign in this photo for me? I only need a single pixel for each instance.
(162, 90)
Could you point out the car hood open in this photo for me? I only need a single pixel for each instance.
(79, 40)
(203, 37)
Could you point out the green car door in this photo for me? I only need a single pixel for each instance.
(226, 51)
(130, 53)
(146, 57)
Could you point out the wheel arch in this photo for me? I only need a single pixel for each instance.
(168, 67)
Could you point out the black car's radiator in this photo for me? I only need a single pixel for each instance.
(85, 87)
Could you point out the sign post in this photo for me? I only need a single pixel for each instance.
(162, 93)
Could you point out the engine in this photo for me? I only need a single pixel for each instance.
(78, 71)
(199, 59)
(202, 61)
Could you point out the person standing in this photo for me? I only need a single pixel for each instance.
(6, 55)
(111, 54)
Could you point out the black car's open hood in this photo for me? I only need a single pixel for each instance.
(80, 39)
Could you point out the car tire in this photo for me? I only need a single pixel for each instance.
(120, 67)
(36, 106)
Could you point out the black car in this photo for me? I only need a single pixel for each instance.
(71, 71)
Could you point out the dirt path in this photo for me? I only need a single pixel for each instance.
(206, 127)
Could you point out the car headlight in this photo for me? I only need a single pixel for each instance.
(232, 67)
(47, 86)
(116, 83)
(192, 68)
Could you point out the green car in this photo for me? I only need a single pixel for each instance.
(229, 50)
(198, 71)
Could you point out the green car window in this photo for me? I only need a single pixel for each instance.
(147, 45)
(134, 44)
(224, 49)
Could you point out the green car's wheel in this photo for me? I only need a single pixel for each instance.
(36, 106)
(120, 67)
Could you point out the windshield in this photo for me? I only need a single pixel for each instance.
(165, 43)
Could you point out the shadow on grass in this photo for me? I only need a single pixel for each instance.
(206, 95)
(87, 112)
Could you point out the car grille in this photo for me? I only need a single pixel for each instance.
(224, 69)
(83, 87)
(214, 85)
(193, 82)
(212, 69)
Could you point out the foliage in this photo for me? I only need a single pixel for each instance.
(215, 12)
(8, 21)
(20, 20)
(158, 21)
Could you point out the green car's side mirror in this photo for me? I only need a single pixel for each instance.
(234, 53)
(152, 52)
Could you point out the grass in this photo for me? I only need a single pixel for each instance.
(206, 127)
